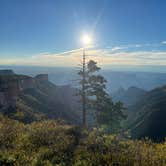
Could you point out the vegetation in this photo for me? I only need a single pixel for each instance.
(95, 97)
(50, 143)
(33, 140)
(43, 100)
(147, 118)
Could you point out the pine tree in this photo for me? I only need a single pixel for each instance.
(96, 98)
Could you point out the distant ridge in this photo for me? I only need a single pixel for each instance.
(6, 72)
(149, 113)
(129, 96)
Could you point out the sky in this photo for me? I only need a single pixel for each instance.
(48, 32)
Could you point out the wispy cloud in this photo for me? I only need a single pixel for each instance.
(117, 55)
(163, 42)
(116, 48)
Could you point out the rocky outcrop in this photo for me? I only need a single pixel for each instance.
(27, 83)
(11, 85)
(28, 99)
(9, 89)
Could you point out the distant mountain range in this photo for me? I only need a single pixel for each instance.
(115, 79)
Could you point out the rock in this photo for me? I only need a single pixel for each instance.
(42, 78)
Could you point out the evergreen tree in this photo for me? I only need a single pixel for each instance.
(97, 99)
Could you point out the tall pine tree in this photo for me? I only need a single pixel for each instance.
(96, 98)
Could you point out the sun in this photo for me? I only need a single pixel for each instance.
(86, 39)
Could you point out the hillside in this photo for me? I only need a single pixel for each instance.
(50, 143)
(27, 99)
(148, 118)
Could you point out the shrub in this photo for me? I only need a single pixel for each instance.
(50, 143)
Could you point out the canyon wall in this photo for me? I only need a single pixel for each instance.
(11, 85)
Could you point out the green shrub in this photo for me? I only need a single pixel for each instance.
(52, 143)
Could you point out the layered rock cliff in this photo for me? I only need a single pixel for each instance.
(32, 98)
(11, 85)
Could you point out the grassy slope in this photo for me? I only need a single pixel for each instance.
(50, 143)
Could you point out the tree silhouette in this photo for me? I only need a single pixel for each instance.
(94, 97)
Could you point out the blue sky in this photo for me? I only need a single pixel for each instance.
(36, 32)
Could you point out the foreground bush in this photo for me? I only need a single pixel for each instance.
(99, 149)
(50, 143)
